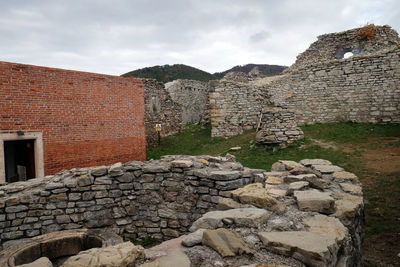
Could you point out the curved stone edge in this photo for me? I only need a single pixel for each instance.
(56, 244)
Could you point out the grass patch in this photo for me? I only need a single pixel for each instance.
(382, 204)
(196, 140)
(350, 132)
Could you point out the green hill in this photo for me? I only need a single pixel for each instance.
(169, 73)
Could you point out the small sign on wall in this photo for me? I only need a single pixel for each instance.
(158, 127)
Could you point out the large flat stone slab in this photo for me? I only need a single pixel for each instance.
(324, 225)
(225, 175)
(257, 195)
(163, 248)
(274, 180)
(225, 242)
(313, 200)
(182, 163)
(298, 185)
(327, 169)
(310, 162)
(228, 203)
(343, 176)
(348, 206)
(290, 165)
(121, 255)
(249, 217)
(299, 177)
(310, 248)
(174, 257)
(351, 188)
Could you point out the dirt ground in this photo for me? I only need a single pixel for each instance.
(380, 171)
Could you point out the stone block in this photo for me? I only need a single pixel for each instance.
(225, 175)
(98, 171)
(249, 217)
(225, 242)
(310, 248)
(229, 185)
(182, 163)
(124, 254)
(257, 195)
(313, 200)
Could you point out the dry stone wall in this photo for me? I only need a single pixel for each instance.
(158, 199)
(359, 89)
(334, 45)
(160, 109)
(320, 87)
(278, 126)
(310, 212)
(173, 105)
(307, 213)
(235, 106)
(193, 97)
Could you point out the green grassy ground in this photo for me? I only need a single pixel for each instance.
(344, 144)
(196, 140)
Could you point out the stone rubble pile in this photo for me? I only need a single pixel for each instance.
(311, 211)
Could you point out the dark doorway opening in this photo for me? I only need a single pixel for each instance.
(19, 158)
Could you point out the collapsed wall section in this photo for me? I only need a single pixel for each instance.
(85, 118)
(359, 41)
(360, 89)
(320, 87)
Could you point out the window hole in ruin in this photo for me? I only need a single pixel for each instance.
(343, 53)
(347, 55)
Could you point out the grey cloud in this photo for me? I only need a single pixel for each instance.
(117, 36)
(260, 36)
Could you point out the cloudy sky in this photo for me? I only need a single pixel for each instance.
(117, 36)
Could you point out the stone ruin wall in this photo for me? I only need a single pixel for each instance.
(158, 199)
(173, 105)
(313, 202)
(235, 106)
(193, 96)
(239, 102)
(334, 45)
(360, 89)
(160, 109)
(320, 87)
(277, 126)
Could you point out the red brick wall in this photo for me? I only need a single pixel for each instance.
(86, 119)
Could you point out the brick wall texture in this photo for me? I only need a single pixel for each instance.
(86, 119)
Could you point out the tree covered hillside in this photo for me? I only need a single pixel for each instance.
(169, 73)
(265, 69)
